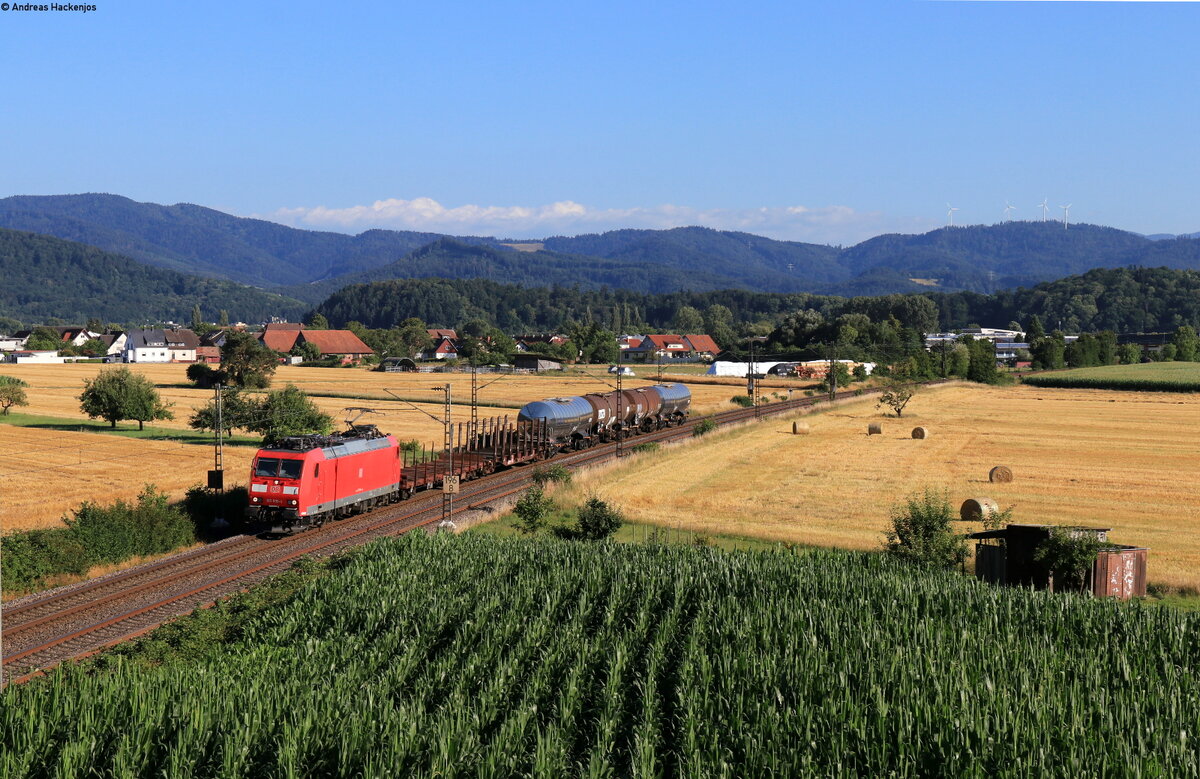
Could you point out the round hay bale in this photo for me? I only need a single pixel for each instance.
(874, 429)
(800, 428)
(978, 509)
(1000, 474)
(920, 432)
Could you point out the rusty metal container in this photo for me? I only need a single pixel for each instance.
(1120, 573)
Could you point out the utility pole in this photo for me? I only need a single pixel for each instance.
(621, 399)
(474, 398)
(752, 384)
(449, 478)
(216, 477)
(660, 366)
(832, 374)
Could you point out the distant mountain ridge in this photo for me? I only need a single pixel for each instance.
(42, 277)
(310, 265)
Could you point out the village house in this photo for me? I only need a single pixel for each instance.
(182, 344)
(443, 348)
(146, 345)
(688, 348)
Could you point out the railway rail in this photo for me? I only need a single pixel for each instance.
(41, 631)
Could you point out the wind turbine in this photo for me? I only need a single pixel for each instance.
(950, 213)
(1044, 202)
(1007, 209)
(1066, 213)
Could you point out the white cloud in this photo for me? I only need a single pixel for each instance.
(824, 224)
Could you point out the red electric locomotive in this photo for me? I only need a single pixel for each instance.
(303, 481)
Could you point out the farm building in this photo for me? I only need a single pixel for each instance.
(533, 362)
(284, 336)
(1008, 556)
(40, 357)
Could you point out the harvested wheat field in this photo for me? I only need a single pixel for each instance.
(54, 391)
(44, 474)
(1090, 457)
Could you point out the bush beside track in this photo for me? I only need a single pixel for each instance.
(451, 655)
(106, 535)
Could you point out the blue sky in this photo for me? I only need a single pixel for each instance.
(828, 122)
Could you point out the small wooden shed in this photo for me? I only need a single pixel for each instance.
(1006, 556)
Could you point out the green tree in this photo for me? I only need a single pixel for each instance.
(119, 393)
(237, 411)
(1129, 354)
(223, 318)
(246, 362)
(897, 392)
(1187, 344)
(594, 343)
(982, 360)
(307, 351)
(598, 520)
(687, 320)
(533, 510)
(317, 322)
(1049, 352)
(12, 393)
(44, 339)
(1035, 331)
(94, 347)
(286, 412)
(1069, 555)
(197, 317)
(922, 532)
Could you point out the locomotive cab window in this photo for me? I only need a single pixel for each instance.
(266, 466)
(290, 469)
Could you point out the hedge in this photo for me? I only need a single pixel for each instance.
(104, 535)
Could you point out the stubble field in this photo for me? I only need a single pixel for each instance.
(1088, 457)
(44, 473)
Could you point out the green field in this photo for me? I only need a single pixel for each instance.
(1146, 377)
(471, 655)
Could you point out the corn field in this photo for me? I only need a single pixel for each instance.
(473, 656)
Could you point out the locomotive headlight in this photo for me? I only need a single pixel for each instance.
(254, 499)
(292, 502)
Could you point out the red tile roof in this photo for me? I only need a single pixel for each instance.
(336, 342)
(703, 343)
(281, 340)
(442, 333)
(672, 343)
(284, 326)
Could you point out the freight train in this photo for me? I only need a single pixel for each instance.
(583, 421)
(303, 481)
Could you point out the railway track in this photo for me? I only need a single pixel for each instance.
(78, 620)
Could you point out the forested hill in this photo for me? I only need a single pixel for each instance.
(43, 277)
(986, 258)
(311, 265)
(203, 241)
(1123, 299)
(452, 259)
